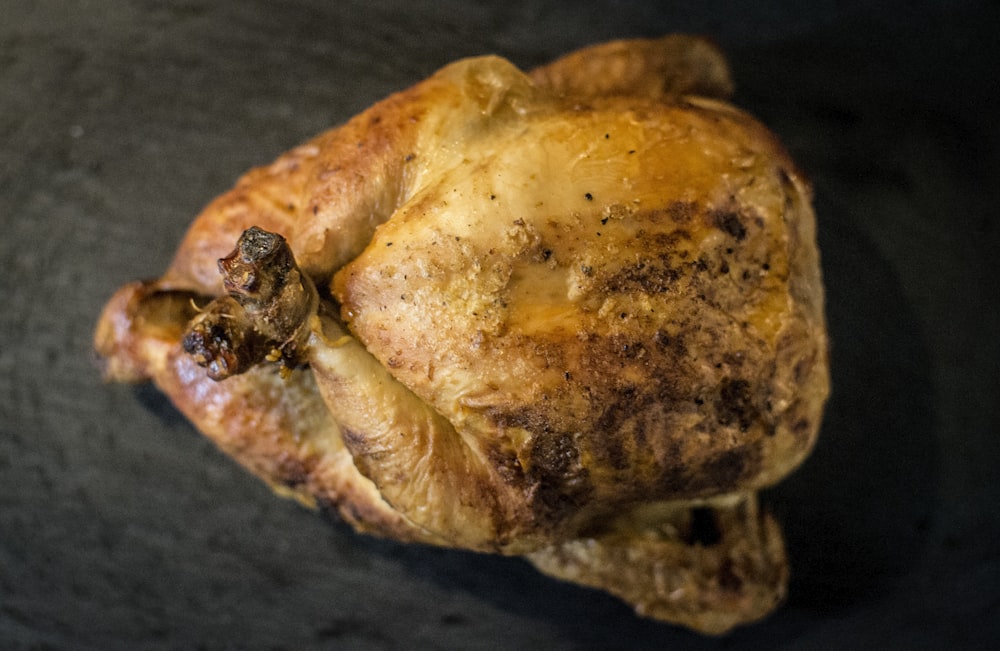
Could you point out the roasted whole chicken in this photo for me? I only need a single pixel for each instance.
(574, 314)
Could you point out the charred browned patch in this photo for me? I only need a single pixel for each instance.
(609, 446)
(562, 484)
(729, 222)
(627, 347)
(613, 453)
(728, 468)
(649, 277)
(735, 405)
(667, 344)
(506, 464)
(668, 475)
(665, 243)
(552, 472)
(524, 418)
(682, 212)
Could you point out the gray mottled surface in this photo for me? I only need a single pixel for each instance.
(120, 527)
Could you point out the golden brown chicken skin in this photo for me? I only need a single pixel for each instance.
(575, 315)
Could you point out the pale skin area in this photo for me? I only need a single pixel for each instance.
(637, 266)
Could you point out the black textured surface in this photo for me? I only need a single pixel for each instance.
(120, 527)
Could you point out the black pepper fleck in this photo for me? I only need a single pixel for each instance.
(588, 197)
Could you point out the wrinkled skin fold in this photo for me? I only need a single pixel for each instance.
(574, 314)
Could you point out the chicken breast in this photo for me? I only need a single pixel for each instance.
(575, 315)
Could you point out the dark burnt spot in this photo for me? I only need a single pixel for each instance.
(627, 349)
(562, 484)
(612, 451)
(664, 243)
(647, 277)
(673, 347)
(672, 480)
(734, 359)
(617, 411)
(552, 473)
(735, 404)
(506, 464)
(682, 212)
(703, 528)
(725, 470)
(730, 223)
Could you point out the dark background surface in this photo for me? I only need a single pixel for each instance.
(121, 527)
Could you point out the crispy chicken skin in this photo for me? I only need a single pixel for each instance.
(575, 315)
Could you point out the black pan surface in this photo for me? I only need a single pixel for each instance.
(121, 527)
